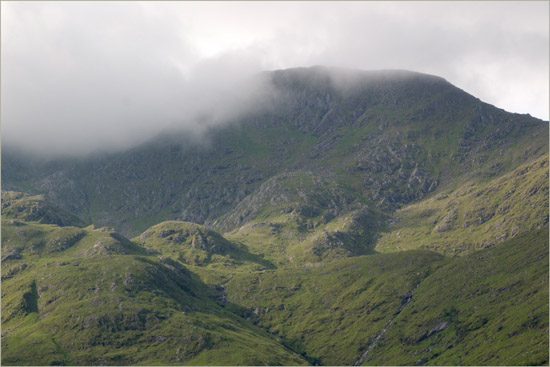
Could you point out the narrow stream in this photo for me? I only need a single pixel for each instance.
(406, 301)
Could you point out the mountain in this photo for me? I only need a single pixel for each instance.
(387, 138)
(363, 217)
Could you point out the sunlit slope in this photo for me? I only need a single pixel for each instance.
(90, 296)
(475, 215)
(487, 308)
(412, 307)
(181, 293)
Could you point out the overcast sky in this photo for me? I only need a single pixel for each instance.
(81, 76)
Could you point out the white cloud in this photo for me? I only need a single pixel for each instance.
(78, 76)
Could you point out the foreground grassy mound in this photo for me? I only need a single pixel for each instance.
(206, 252)
(106, 300)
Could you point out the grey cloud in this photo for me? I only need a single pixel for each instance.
(77, 81)
(82, 76)
(497, 51)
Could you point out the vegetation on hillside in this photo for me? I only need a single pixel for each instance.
(101, 299)
(475, 215)
(379, 218)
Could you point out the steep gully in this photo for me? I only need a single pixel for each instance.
(406, 300)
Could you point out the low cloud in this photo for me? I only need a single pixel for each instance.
(75, 81)
(78, 77)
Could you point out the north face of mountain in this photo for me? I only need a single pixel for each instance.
(377, 139)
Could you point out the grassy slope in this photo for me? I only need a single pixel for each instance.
(104, 300)
(492, 306)
(331, 309)
(87, 296)
(475, 215)
(495, 306)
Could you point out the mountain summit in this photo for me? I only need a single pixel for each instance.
(389, 137)
(358, 217)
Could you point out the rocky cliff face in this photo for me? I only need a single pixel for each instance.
(389, 137)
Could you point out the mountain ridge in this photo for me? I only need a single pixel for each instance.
(376, 140)
(360, 218)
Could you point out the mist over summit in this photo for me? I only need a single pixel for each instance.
(210, 98)
(391, 132)
(113, 118)
(332, 217)
(83, 77)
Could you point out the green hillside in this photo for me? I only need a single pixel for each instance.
(101, 299)
(475, 215)
(411, 307)
(90, 296)
(487, 308)
(376, 218)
